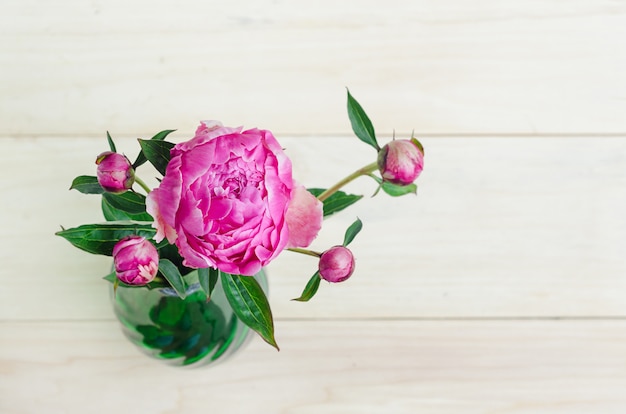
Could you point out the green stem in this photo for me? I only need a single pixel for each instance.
(142, 184)
(304, 251)
(368, 169)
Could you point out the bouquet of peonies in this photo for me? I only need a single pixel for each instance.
(227, 205)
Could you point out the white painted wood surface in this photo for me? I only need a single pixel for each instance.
(500, 288)
(450, 66)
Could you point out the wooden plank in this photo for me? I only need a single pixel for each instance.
(530, 67)
(501, 227)
(327, 366)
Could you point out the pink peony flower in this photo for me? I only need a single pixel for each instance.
(304, 217)
(115, 173)
(224, 198)
(336, 264)
(136, 260)
(400, 162)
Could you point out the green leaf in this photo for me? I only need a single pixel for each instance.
(310, 289)
(207, 278)
(395, 190)
(111, 277)
(87, 184)
(336, 202)
(157, 152)
(141, 158)
(250, 304)
(113, 214)
(101, 238)
(399, 190)
(203, 280)
(129, 201)
(352, 231)
(111, 143)
(361, 124)
(171, 273)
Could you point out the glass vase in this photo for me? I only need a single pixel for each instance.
(181, 332)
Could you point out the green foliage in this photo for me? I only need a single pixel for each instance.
(336, 202)
(87, 184)
(395, 190)
(310, 289)
(250, 304)
(141, 158)
(171, 273)
(157, 152)
(361, 124)
(129, 202)
(352, 231)
(207, 278)
(111, 143)
(101, 238)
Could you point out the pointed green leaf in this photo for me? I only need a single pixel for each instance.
(399, 190)
(111, 144)
(393, 189)
(157, 152)
(207, 277)
(114, 214)
(203, 280)
(250, 304)
(87, 184)
(141, 158)
(214, 274)
(352, 231)
(361, 124)
(171, 273)
(111, 277)
(336, 202)
(129, 201)
(101, 238)
(310, 289)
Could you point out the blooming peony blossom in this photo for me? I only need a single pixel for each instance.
(336, 264)
(115, 173)
(400, 162)
(304, 217)
(136, 260)
(224, 198)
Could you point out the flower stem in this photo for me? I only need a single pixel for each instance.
(368, 169)
(142, 184)
(304, 251)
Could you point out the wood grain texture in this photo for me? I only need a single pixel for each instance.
(533, 67)
(500, 228)
(326, 367)
(498, 289)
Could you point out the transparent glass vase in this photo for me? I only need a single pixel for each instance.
(181, 332)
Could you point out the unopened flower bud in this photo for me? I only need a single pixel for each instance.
(336, 264)
(115, 172)
(400, 162)
(136, 260)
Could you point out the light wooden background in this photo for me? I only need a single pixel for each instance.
(500, 288)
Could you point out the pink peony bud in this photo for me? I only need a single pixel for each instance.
(336, 264)
(115, 172)
(400, 162)
(136, 260)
